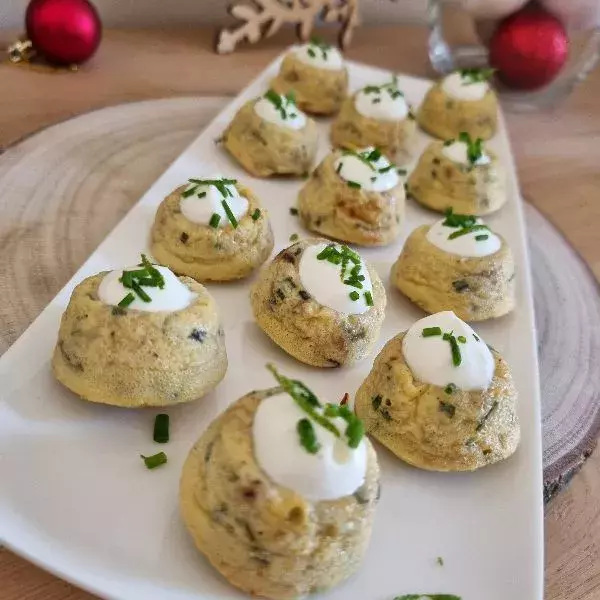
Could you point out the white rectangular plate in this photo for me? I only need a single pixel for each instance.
(75, 496)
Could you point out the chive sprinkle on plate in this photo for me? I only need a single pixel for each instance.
(161, 428)
(156, 460)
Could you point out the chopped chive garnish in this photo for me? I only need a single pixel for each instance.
(354, 184)
(127, 300)
(214, 220)
(386, 169)
(307, 435)
(354, 432)
(202, 195)
(354, 295)
(256, 215)
(189, 191)
(161, 428)
(455, 220)
(376, 101)
(154, 461)
(466, 230)
(229, 214)
(339, 168)
(294, 212)
(450, 388)
(481, 238)
(294, 237)
(474, 147)
(311, 53)
(140, 292)
(456, 357)
(401, 172)
(431, 331)
(369, 298)
(374, 178)
(476, 338)
(462, 339)
(486, 416)
(474, 75)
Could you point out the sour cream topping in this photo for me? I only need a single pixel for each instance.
(320, 56)
(467, 245)
(457, 152)
(172, 297)
(280, 110)
(462, 87)
(324, 281)
(430, 358)
(367, 169)
(207, 200)
(383, 103)
(336, 470)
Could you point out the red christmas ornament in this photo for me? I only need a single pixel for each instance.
(529, 48)
(63, 31)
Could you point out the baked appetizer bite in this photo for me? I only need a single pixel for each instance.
(321, 303)
(356, 197)
(272, 136)
(440, 399)
(316, 73)
(462, 101)
(279, 493)
(213, 229)
(460, 174)
(140, 337)
(457, 264)
(380, 116)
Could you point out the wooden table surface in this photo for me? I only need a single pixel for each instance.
(557, 157)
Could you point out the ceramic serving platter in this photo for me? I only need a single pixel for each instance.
(76, 499)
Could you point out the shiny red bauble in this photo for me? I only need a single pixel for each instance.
(63, 31)
(529, 48)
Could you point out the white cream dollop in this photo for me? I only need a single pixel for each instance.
(287, 115)
(457, 152)
(465, 245)
(335, 471)
(172, 297)
(462, 88)
(320, 56)
(383, 103)
(208, 200)
(430, 358)
(323, 281)
(367, 174)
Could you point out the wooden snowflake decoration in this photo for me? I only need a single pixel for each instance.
(262, 18)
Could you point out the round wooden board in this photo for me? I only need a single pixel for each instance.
(63, 189)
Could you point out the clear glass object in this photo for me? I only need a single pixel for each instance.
(455, 43)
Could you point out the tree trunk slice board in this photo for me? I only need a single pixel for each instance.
(63, 189)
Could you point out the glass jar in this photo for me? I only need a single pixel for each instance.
(455, 43)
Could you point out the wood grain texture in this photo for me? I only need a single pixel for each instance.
(557, 161)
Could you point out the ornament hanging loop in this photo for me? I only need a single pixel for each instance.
(21, 51)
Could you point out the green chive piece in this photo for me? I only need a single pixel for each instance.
(440, 561)
(447, 408)
(189, 192)
(386, 169)
(256, 215)
(474, 75)
(307, 435)
(127, 300)
(455, 350)
(481, 238)
(456, 220)
(202, 195)
(154, 461)
(140, 292)
(126, 279)
(311, 53)
(376, 101)
(486, 416)
(401, 172)
(474, 147)
(229, 214)
(214, 220)
(324, 254)
(354, 296)
(294, 237)
(339, 167)
(462, 339)
(466, 230)
(355, 432)
(294, 212)
(431, 331)
(161, 428)
(369, 298)
(476, 338)
(154, 272)
(450, 388)
(353, 184)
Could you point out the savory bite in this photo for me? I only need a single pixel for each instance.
(440, 399)
(279, 493)
(140, 337)
(380, 116)
(213, 229)
(457, 264)
(321, 303)
(316, 74)
(354, 196)
(462, 101)
(272, 136)
(459, 174)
